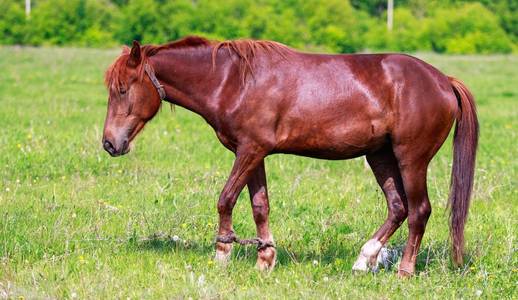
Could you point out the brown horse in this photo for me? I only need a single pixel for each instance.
(262, 97)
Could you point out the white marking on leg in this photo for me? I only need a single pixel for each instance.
(368, 256)
(266, 258)
(223, 254)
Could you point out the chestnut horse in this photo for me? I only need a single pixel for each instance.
(262, 98)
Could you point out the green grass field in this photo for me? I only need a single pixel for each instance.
(76, 223)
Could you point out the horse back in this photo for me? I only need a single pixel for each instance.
(335, 106)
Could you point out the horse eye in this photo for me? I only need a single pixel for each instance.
(122, 91)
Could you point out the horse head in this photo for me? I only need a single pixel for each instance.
(132, 102)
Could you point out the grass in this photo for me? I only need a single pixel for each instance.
(76, 223)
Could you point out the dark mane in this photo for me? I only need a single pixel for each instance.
(245, 50)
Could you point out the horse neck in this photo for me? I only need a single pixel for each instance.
(190, 79)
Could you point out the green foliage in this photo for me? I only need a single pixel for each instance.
(263, 22)
(60, 22)
(221, 20)
(471, 29)
(139, 20)
(373, 7)
(334, 25)
(505, 10)
(12, 23)
(408, 33)
(95, 36)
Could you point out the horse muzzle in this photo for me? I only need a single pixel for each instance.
(116, 151)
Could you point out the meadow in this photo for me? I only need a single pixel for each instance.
(76, 223)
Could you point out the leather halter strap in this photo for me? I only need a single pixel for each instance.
(154, 80)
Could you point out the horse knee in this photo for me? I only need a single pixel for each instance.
(260, 206)
(225, 204)
(260, 213)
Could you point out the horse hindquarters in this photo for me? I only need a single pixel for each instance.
(426, 109)
(423, 107)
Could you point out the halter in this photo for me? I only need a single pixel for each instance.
(154, 80)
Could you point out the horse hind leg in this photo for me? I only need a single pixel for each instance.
(419, 210)
(385, 167)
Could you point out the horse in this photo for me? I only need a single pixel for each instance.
(262, 98)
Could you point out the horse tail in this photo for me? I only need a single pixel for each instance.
(465, 140)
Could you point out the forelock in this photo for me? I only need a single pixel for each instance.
(114, 73)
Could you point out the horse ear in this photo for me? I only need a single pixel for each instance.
(135, 55)
(125, 50)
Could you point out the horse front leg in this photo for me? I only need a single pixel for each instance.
(244, 165)
(266, 253)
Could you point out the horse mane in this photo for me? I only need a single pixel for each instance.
(246, 51)
(184, 43)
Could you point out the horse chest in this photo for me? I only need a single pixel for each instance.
(226, 141)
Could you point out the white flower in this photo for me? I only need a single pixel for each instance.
(478, 293)
(201, 280)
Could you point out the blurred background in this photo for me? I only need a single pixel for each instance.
(447, 26)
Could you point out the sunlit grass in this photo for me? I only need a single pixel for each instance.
(78, 223)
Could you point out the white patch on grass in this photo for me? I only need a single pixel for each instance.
(386, 259)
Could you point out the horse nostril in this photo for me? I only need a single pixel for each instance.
(108, 146)
(125, 145)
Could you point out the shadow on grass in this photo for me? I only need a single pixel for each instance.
(336, 256)
(434, 254)
(164, 243)
(285, 255)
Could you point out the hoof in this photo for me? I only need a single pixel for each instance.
(360, 266)
(365, 264)
(405, 272)
(223, 252)
(266, 259)
(368, 258)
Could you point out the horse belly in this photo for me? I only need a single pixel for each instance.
(339, 141)
(331, 113)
